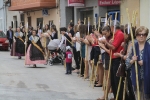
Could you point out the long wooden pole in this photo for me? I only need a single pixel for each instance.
(99, 23)
(86, 58)
(118, 88)
(26, 42)
(124, 90)
(106, 19)
(84, 21)
(136, 68)
(110, 59)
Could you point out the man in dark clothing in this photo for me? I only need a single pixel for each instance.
(10, 35)
(71, 29)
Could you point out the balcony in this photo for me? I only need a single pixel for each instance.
(24, 5)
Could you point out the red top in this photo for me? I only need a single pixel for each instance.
(118, 39)
(68, 57)
(95, 40)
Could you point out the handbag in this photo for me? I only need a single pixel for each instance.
(121, 69)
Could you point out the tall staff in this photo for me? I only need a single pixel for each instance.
(110, 59)
(84, 21)
(121, 76)
(86, 58)
(99, 23)
(26, 39)
(136, 69)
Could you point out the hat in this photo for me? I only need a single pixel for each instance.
(68, 48)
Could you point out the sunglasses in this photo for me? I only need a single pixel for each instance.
(141, 35)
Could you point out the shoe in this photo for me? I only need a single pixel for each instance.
(66, 73)
(97, 85)
(75, 71)
(19, 57)
(81, 75)
(96, 82)
(87, 79)
(73, 68)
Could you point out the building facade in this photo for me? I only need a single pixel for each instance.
(75, 10)
(34, 12)
(2, 15)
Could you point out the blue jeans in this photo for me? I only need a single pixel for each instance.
(68, 68)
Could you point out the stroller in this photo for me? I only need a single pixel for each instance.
(56, 56)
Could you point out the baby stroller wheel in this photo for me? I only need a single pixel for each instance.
(50, 62)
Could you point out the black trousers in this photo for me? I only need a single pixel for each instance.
(82, 66)
(76, 57)
(115, 80)
(68, 68)
(130, 87)
(95, 52)
(10, 43)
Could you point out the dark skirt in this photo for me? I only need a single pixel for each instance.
(35, 53)
(20, 46)
(13, 51)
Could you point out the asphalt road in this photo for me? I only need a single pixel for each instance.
(20, 82)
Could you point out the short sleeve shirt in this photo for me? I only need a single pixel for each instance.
(118, 39)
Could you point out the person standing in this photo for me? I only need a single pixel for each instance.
(35, 52)
(68, 57)
(116, 47)
(10, 35)
(20, 46)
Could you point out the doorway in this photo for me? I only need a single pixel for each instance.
(39, 22)
(86, 14)
(15, 21)
(29, 21)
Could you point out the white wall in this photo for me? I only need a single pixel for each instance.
(10, 15)
(145, 13)
(2, 16)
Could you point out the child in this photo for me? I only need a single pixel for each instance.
(35, 53)
(68, 57)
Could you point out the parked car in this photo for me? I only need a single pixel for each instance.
(4, 42)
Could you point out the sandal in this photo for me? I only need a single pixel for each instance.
(98, 85)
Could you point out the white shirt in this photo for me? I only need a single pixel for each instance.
(78, 45)
(62, 40)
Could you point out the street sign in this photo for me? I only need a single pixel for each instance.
(77, 3)
(108, 2)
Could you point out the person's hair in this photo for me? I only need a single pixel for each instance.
(63, 29)
(30, 28)
(34, 30)
(47, 27)
(76, 28)
(71, 24)
(117, 24)
(82, 22)
(129, 33)
(22, 29)
(82, 30)
(108, 29)
(90, 29)
(142, 28)
(54, 28)
(122, 28)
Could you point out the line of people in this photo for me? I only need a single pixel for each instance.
(91, 49)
